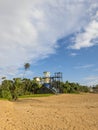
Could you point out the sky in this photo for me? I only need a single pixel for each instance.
(51, 35)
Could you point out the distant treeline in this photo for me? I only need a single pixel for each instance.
(12, 89)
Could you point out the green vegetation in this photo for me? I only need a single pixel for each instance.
(25, 88)
(68, 87)
(35, 95)
(22, 88)
(12, 89)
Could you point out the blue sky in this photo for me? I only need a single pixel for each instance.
(52, 35)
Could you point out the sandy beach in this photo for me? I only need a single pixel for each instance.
(58, 112)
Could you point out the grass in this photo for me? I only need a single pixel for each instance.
(3, 99)
(35, 95)
(31, 96)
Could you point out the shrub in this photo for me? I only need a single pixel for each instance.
(6, 94)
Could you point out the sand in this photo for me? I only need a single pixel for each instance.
(58, 112)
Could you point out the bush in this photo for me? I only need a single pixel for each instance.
(6, 94)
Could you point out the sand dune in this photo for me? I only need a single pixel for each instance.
(58, 112)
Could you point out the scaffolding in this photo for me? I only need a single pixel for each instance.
(53, 82)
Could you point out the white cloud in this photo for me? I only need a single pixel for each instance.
(29, 29)
(91, 80)
(89, 36)
(96, 70)
(73, 54)
(84, 66)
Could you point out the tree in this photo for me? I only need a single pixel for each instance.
(26, 67)
(18, 85)
(8, 90)
(35, 86)
(3, 78)
(27, 86)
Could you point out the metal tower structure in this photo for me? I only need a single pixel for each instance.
(56, 81)
(51, 82)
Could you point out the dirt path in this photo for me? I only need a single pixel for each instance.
(59, 112)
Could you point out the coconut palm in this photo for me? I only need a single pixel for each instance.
(3, 78)
(26, 67)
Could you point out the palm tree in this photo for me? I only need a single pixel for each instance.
(26, 67)
(3, 78)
